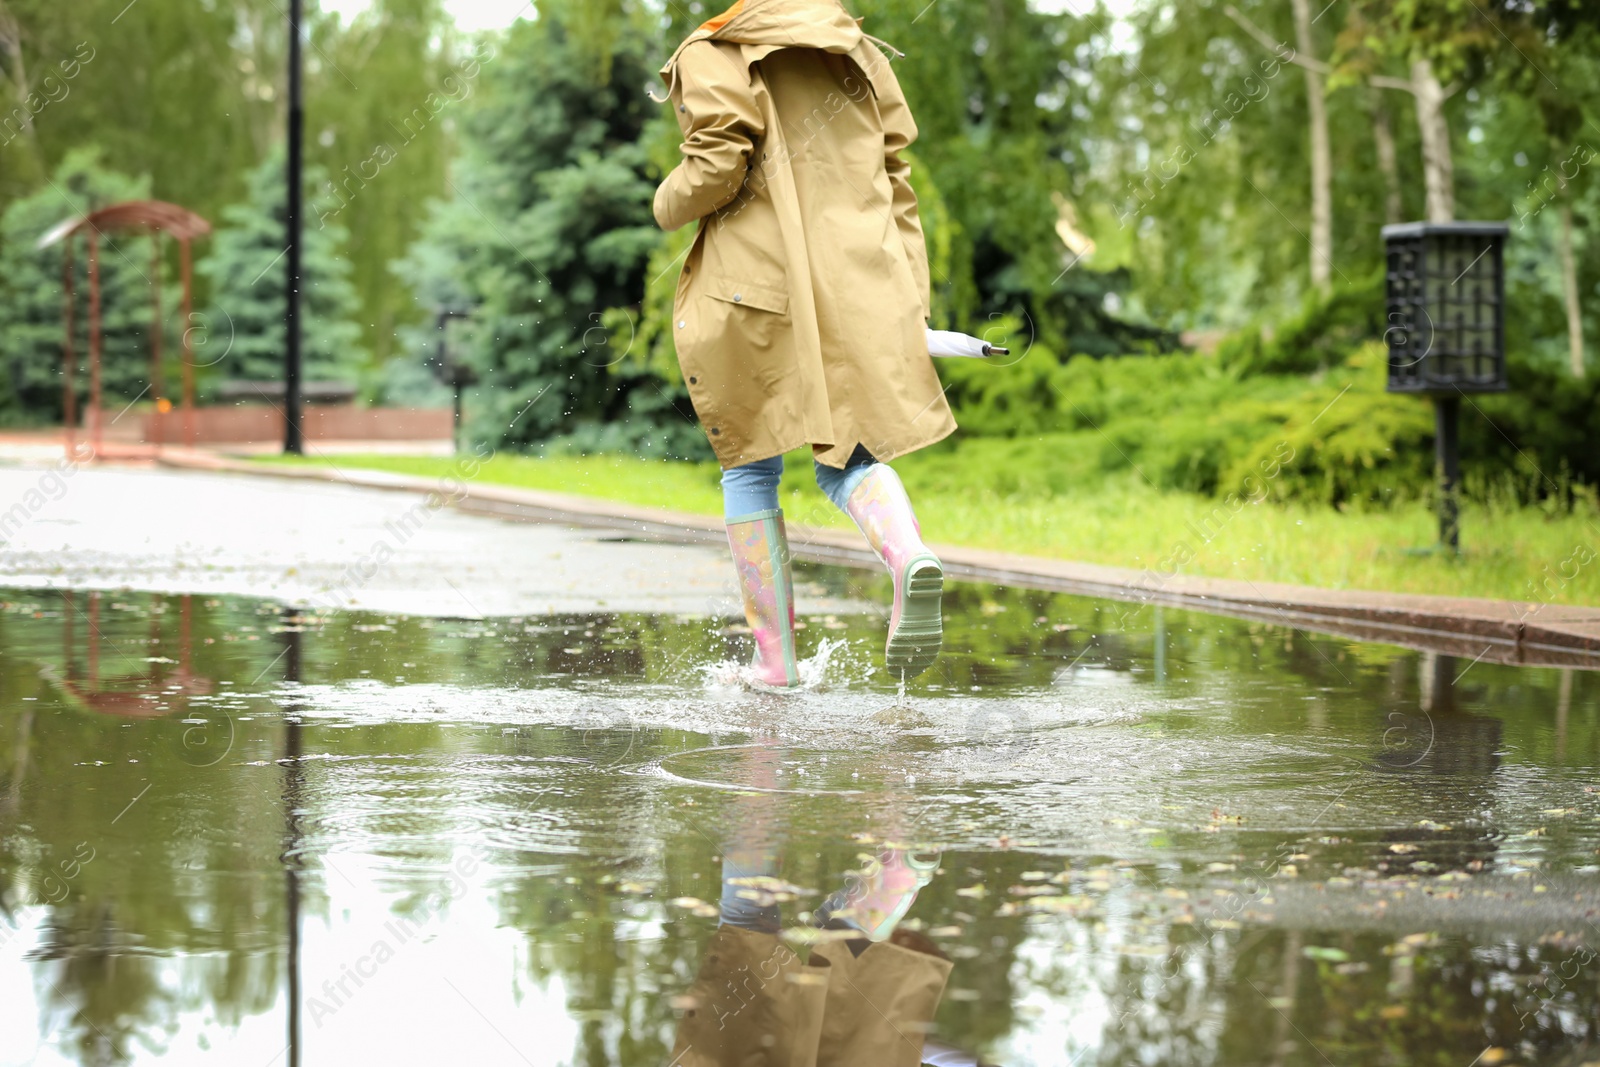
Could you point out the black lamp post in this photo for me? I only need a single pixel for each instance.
(448, 370)
(293, 441)
(1447, 331)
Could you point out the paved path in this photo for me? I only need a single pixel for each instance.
(1500, 631)
(309, 542)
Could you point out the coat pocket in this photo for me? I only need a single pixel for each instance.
(748, 294)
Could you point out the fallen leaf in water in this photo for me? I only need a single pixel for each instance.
(1321, 952)
(1069, 905)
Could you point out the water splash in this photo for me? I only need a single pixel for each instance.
(815, 672)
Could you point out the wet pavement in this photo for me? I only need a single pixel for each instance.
(333, 546)
(234, 831)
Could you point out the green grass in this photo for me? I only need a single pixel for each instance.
(1512, 553)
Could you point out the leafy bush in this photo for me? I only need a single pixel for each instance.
(1325, 330)
(1347, 441)
(1538, 439)
(1180, 422)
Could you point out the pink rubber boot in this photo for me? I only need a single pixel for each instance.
(882, 510)
(760, 547)
(880, 894)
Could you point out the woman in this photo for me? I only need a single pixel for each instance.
(801, 311)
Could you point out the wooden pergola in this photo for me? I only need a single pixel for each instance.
(154, 217)
(137, 696)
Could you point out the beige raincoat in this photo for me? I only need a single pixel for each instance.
(754, 1004)
(800, 312)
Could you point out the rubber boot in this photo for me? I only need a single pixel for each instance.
(882, 510)
(760, 547)
(878, 896)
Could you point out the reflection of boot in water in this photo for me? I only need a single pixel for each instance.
(883, 987)
(868, 1000)
(879, 895)
(853, 1003)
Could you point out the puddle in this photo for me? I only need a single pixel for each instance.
(1147, 836)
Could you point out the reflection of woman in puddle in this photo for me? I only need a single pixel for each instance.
(867, 993)
(800, 313)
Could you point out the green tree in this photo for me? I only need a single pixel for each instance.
(138, 80)
(999, 90)
(1001, 168)
(32, 301)
(548, 235)
(248, 279)
(383, 136)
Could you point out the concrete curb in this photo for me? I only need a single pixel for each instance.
(1499, 631)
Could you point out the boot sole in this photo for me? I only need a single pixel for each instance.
(916, 642)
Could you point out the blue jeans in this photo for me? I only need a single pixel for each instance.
(754, 486)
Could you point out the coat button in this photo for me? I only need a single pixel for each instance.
(683, 107)
(682, 324)
(715, 432)
(693, 380)
(737, 298)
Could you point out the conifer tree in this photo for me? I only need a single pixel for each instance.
(247, 274)
(31, 298)
(548, 235)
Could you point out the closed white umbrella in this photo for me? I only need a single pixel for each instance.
(949, 343)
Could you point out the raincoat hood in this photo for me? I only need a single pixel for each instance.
(765, 26)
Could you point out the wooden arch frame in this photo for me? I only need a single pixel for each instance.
(154, 217)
